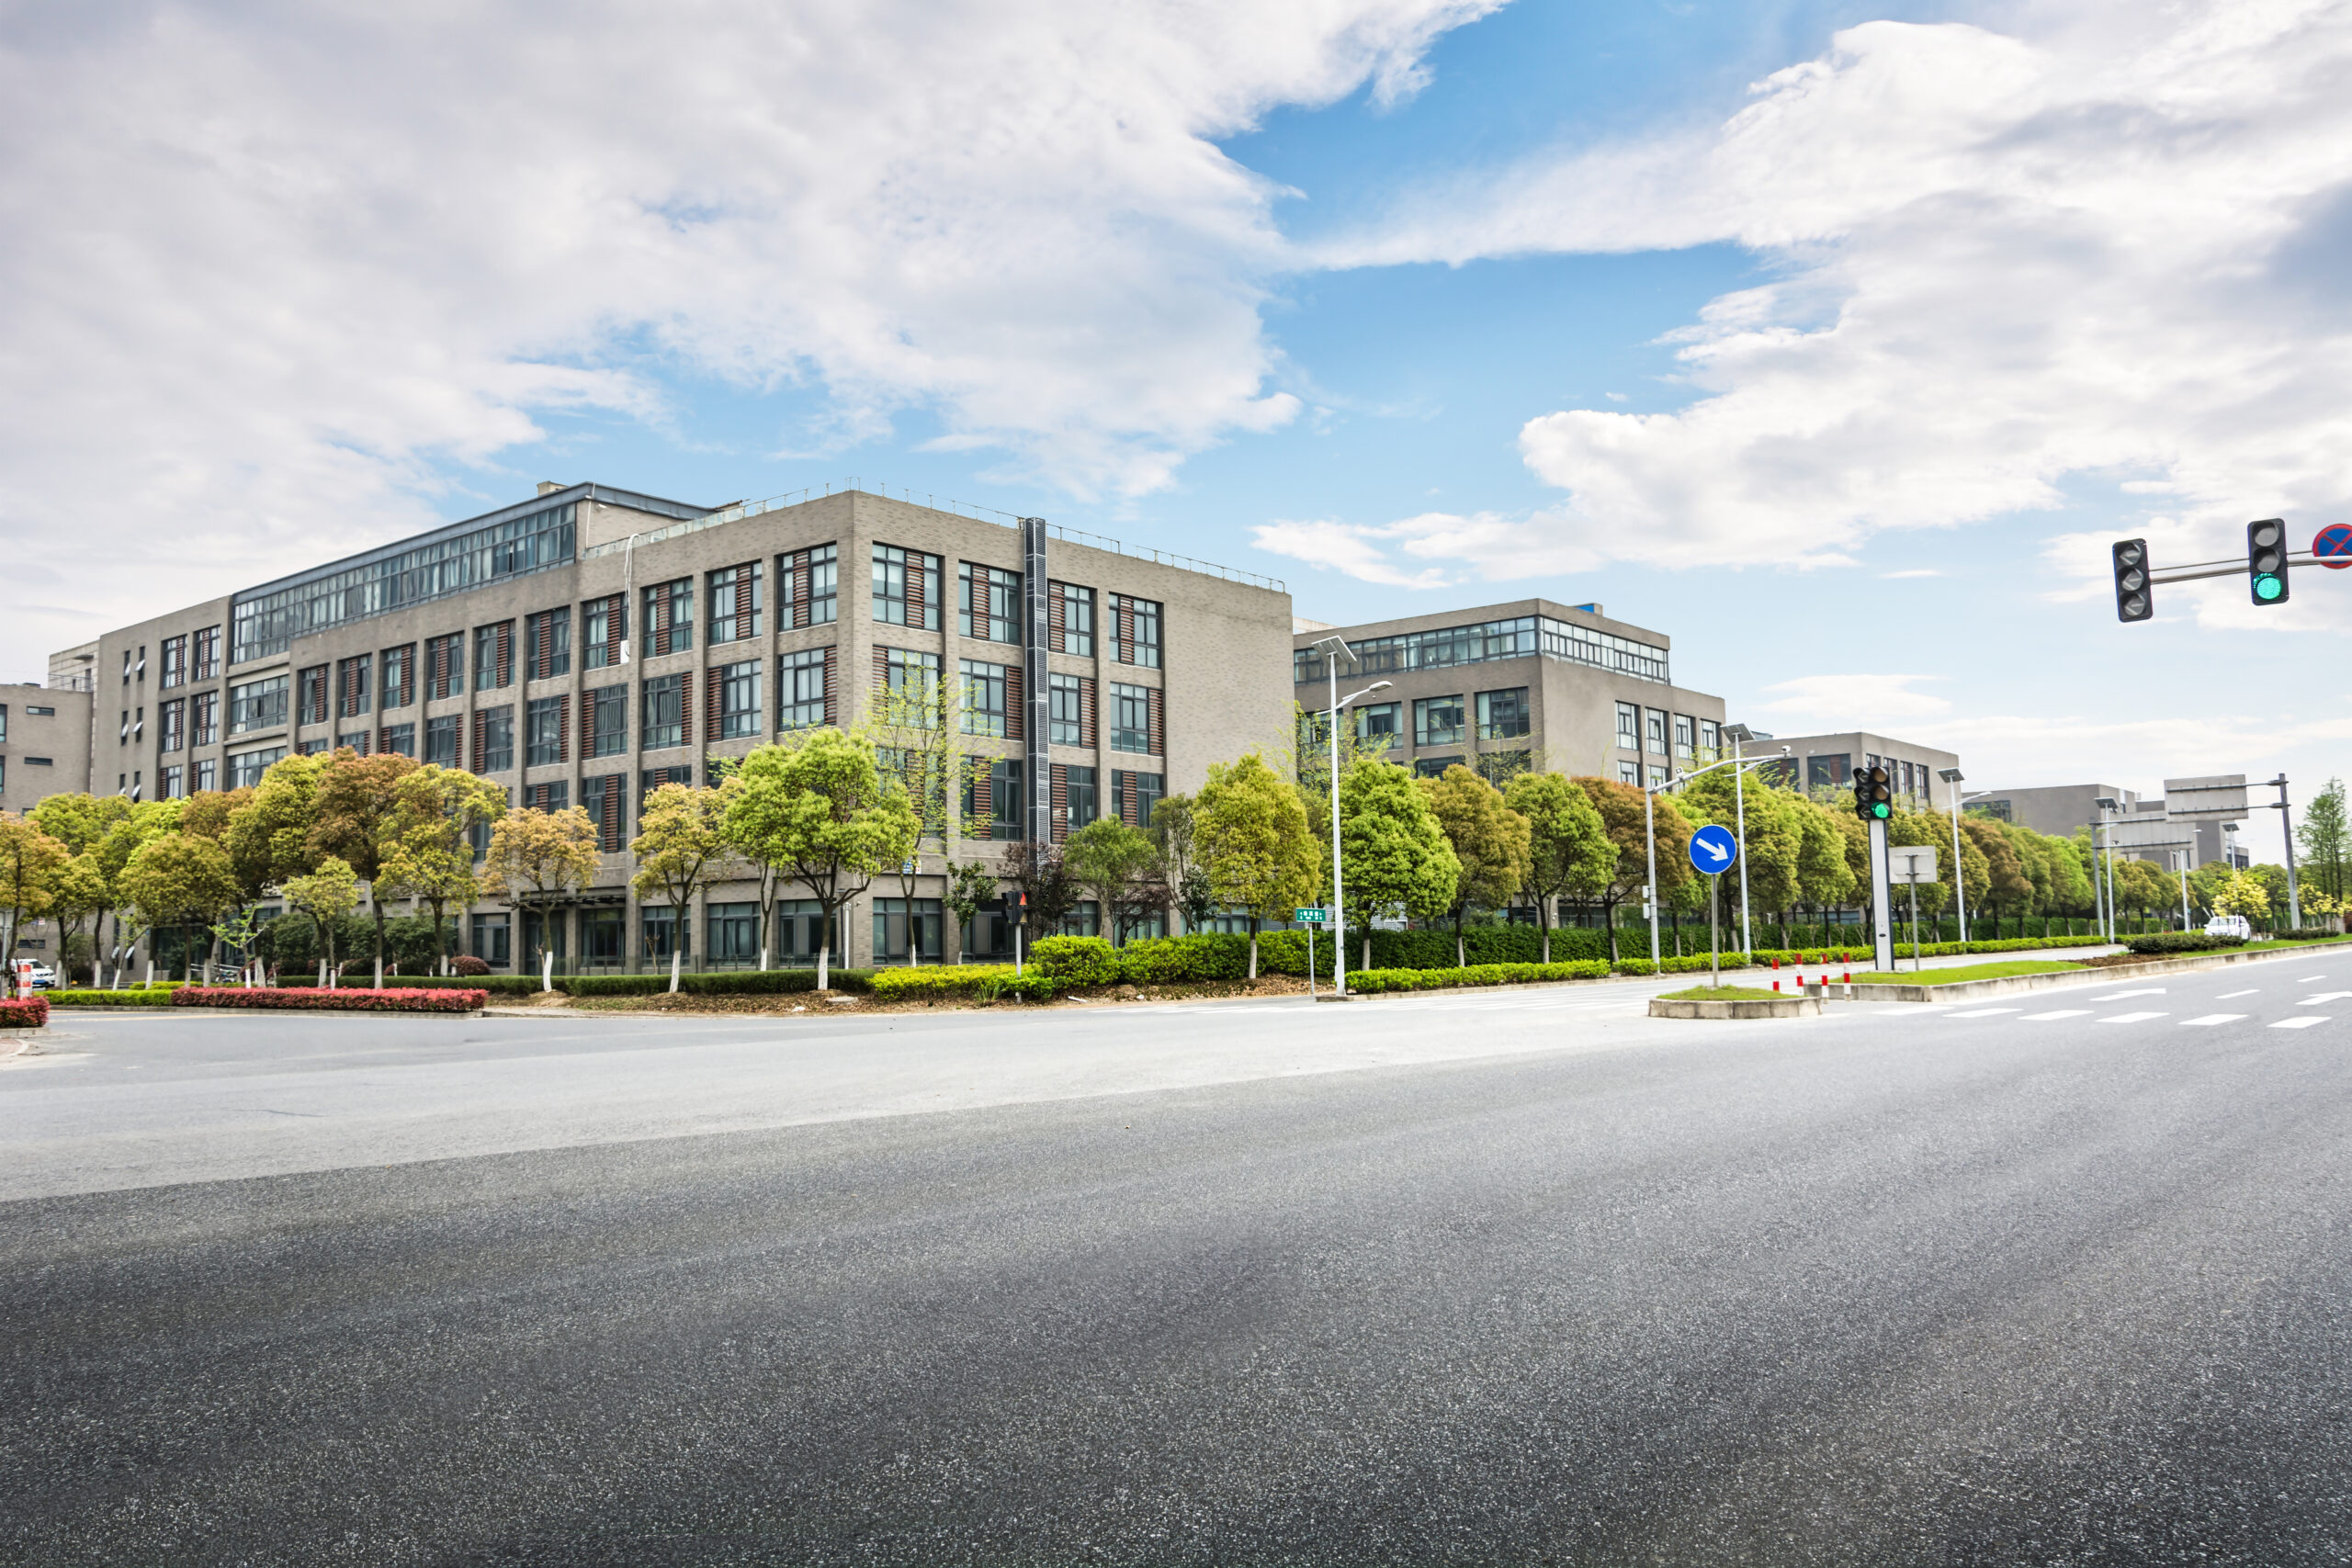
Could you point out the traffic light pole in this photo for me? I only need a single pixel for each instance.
(2287, 832)
(1882, 917)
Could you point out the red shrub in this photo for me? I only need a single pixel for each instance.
(312, 999)
(467, 964)
(31, 1014)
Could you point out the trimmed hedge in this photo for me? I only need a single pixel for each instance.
(352, 999)
(137, 998)
(2182, 941)
(972, 981)
(1078, 960)
(1373, 981)
(724, 983)
(2308, 933)
(30, 1013)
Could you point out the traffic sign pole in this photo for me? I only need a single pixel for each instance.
(1882, 918)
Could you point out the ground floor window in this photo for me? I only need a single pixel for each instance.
(1085, 919)
(603, 936)
(988, 933)
(542, 934)
(734, 932)
(891, 923)
(658, 931)
(492, 941)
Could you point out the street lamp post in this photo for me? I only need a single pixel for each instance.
(1333, 649)
(1649, 825)
(1953, 776)
(2108, 806)
(1735, 733)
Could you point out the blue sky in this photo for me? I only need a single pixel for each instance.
(1833, 340)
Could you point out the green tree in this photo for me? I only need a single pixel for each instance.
(919, 732)
(269, 837)
(1175, 821)
(1393, 851)
(327, 896)
(2325, 839)
(1120, 866)
(818, 808)
(1620, 805)
(357, 803)
(178, 879)
(681, 848)
(2241, 893)
(1569, 851)
(428, 857)
(1489, 843)
(146, 820)
(2005, 882)
(81, 894)
(1824, 876)
(970, 884)
(31, 864)
(1250, 832)
(536, 857)
(1045, 890)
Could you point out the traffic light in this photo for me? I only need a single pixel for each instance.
(2265, 560)
(1873, 794)
(2133, 601)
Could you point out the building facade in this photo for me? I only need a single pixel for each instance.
(1827, 761)
(44, 744)
(2067, 809)
(586, 645)
(1507, 688)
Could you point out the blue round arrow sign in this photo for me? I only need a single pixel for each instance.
(1713, 849)
(2332, 546)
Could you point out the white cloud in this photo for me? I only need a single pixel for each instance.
(263, 267)
(1854, 702)
(2109, 249)
(1915, 571)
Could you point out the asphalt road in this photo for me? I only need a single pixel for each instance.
(1502, 1279)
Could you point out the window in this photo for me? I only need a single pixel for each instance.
(441, 741)
(650, 779)
(547, 731)
(257, 705)
(1686, 737)
(352, 677)
(992, 699)
(1828, 773)
(207, 771)
(174, 664)
(1653, 731)
(494, 657)
(171, 725)
(657, 926)
(992, 802)
(1434, 767)
(1711, 741)
(987, 603)
(1502, 715)
(547, 644)
(606, 800)
(1069, 625)
(400, 676)
(1629, 773)
(400, 739)
(604, 935)
(1498, 768)
(735, 604)
(1629, 727)
(662, 713)
(803, 689)
(553, 795)
(357, 739)
(32, 710)
(1075, 799)
(493, 739)
(1134, 631)
(1378, 724)
(808, 580)
(732, 929)
(493, 937)
(1657, 774)
(1524, 637)
(444, 667)
(1134, 713)
(910, 678)
(906, 588)
(171, 783)
(205, 656)
(314, 746)
(245, 768)
(1133, 794)
(312, 706)
(670, 617)
(604, 626)
(737, 687)
(1070, 700)
(891, 929)
(204, 718)
(1438, 721)
(607, 709)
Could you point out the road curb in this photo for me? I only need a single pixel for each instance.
(2009, 984)
(1777, 1007)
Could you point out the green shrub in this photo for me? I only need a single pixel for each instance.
(1077, 960)
(933, 981)
(1175, 959)
(721, 983)
(2182, 941)
(139, 996)
(1635, 966)
(1374, 981)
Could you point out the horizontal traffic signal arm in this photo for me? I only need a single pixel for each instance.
(2160, 575)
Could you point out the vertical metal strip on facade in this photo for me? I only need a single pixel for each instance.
(1037, 695)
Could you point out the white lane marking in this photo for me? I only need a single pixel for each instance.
(2302, 979)
(2211, 1018)
(1911, 1010)
(2297, 1022)
(2061, 1012)
(2142, 991)
(1981, 1012)
(2225, 996)
(2134, 1017)
(2324, 997)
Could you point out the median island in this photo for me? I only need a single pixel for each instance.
(1962, 974)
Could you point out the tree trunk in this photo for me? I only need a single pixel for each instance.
(825, 950)
(1543, 922)
(379, 933)
(677, 943)
(1253, 947)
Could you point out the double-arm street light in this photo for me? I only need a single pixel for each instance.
(1953, 776)
(1739, 836)
(1333, 650)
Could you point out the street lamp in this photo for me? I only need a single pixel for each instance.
(2108, 805)
(1959, 892)
(1735, 733)
(1333, 650)
(1649, 826)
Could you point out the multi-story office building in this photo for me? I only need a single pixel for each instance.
(44, 744)
(586, 645)
(1505, 688)
(1827, 761)
(2067, 809)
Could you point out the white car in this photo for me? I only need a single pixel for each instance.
(43, 975)
(2230, 925)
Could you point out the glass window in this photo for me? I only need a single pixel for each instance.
(493, 937)
(1629, 727)
(441, 741)
(912, 680)
(1710, 740)
(1658, 773)
(1379, 725)
(174, 663)
(801, 683)
(1130, 717)
(1524, 637)
(1498, 768)
(171, 725)
(1828, 773)
(445, 666)
(1135, 629)
(207, 772)
(1133, 795)
(355, 740)
(494, 657)
(658, 931)
(1432, 767)
(809, 586)
(663, 712)
(1503, 715)
(493, 739)
(1066, 699)
(987, 603)
(547, 644)
(400, 676)
(1002, 809)
(1653, 731)
(1629, 772)
(257, 705)
(732, 932)
(1080, 797)
(670, 617)
(171, 783)
(1686, 737)
(1437, 721)
(314, 746)
(245, 768)
(906, 588)
(351, 682)
(1073, 623)
(310, 686)
(544, 722)
(735, 604)
(204, 718)
(603, 624)
(891, 929)
(400, 739)
(738, 700)
(988, 699)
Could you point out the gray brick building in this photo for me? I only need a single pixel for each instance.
(589, 644)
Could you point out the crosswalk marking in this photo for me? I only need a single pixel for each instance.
(1983, 1012)
(2225, 996)
(2297, 1022)
(2134, 1017)
(2061, 1012)
(2211, 1018)
(2324, 996)
(2142, 991)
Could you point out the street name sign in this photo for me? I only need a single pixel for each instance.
(1714, 849)
(1312, 916)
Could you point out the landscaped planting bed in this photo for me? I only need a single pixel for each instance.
(30, 1013)
(354, 998)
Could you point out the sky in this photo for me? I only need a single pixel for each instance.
(1835, 341)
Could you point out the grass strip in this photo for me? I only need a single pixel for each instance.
(1969, 971)
(1729, 994)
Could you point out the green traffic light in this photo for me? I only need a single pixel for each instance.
(1881, 809)
(2268, 587)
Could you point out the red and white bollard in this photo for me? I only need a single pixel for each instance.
(1776, 974)
(1849, 959)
